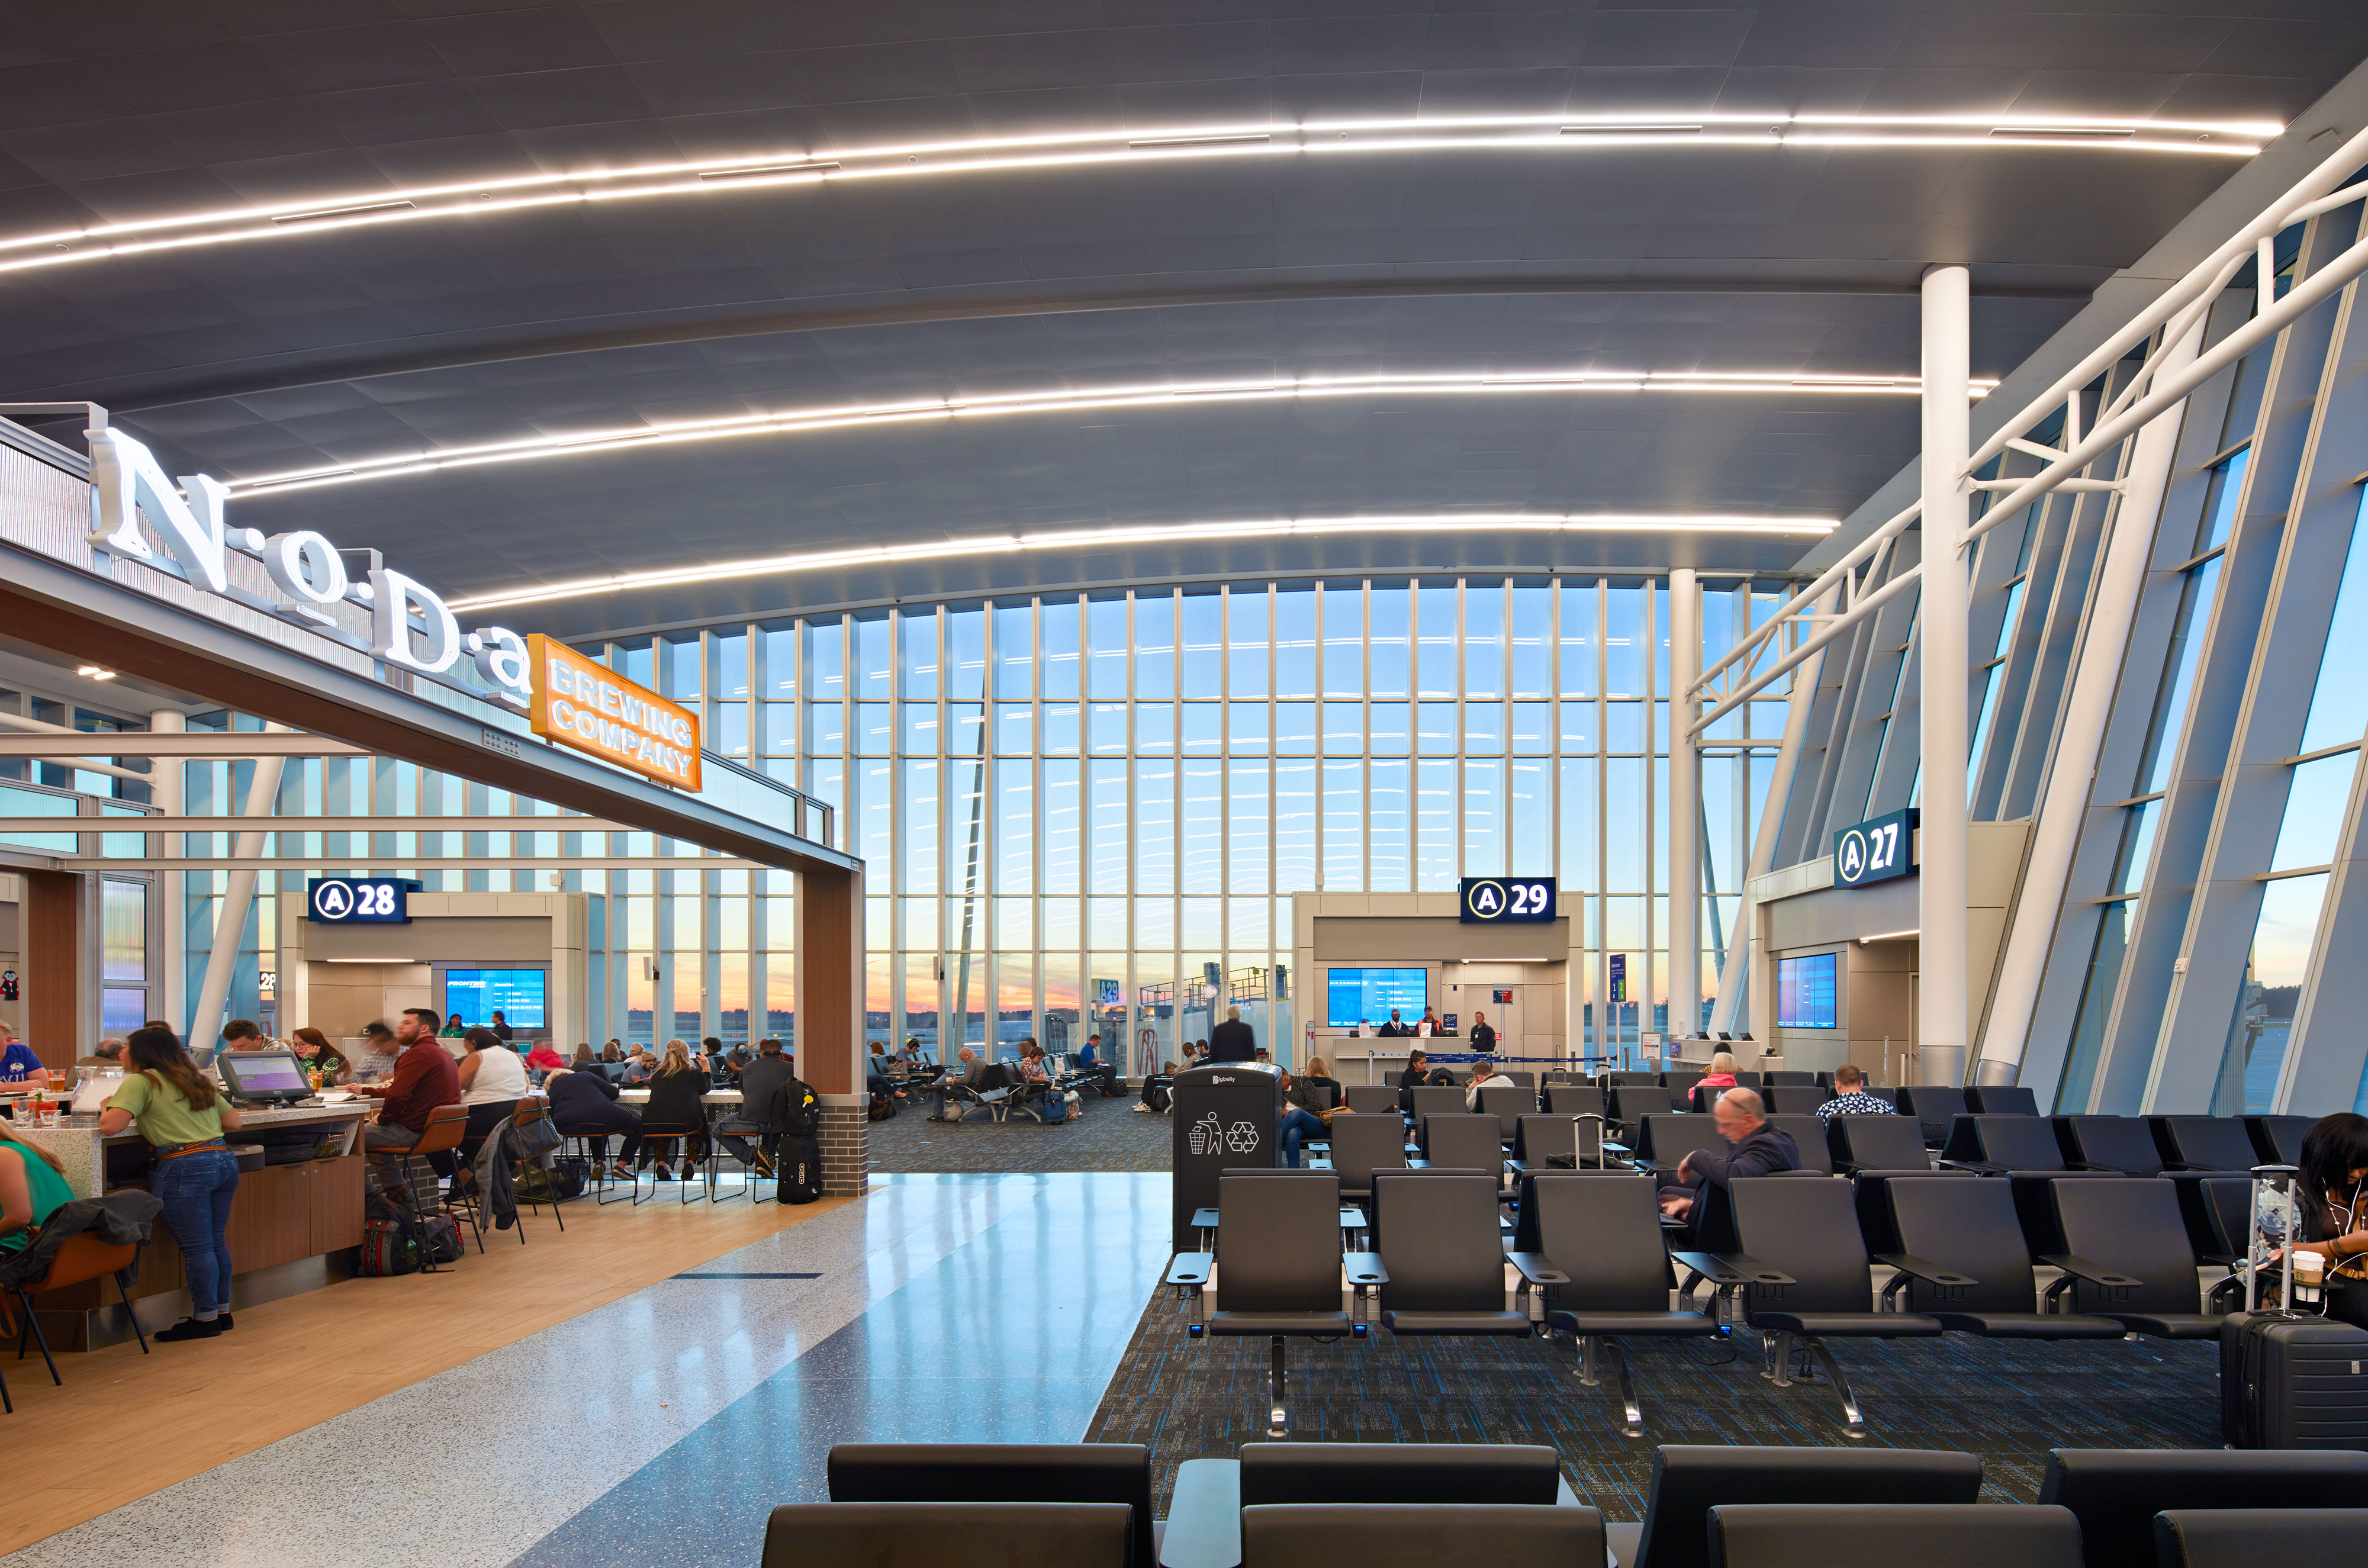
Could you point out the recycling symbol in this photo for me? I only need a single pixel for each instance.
(1208, 1135)
(1241, 1138)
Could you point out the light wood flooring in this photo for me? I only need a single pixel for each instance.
(75, 1452)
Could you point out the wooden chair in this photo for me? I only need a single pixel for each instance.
(447, 1125)
(529, 1111)
(82, 1258)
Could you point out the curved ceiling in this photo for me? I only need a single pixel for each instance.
(1673, 252)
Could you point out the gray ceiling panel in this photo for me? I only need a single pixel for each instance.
(339, 346)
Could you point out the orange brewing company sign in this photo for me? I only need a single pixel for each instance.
(590, 707)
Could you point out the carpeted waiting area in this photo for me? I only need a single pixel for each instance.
(2008, 1401)
(1105, 1137)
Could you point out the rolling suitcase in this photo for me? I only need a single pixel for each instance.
(800, 1167)
(2289, 1377)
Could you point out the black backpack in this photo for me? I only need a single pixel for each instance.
(795, 1110)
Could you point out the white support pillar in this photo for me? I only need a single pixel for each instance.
(1941, 1023)
(238, 897)
(2097, 673)
(1685, 806)
(1732, 1013)
(168, 776)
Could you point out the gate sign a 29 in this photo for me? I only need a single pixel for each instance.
(1499, 901)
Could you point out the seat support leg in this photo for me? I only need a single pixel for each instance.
(1278, 1415)
(1586, 1378)
(1854, 1424)
(32, 1326)
(134, 1316)
(1779, 1370)
(1635, 1426)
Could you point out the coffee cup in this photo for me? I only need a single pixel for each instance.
(2309, 1273)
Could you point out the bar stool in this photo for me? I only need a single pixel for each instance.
(82, 1257)
(654, 1145)
(593, 1149)
(529, 1113)
(447, 1125)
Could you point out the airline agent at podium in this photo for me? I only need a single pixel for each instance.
(1484, 1038)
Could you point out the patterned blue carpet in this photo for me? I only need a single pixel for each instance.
(2008, 1401)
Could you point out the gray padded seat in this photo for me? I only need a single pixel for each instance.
(2278, 1139)
(1537, 1138)
(949, 1535)
(1574, 1099)
(1371, 1099)
(1464, 1142)
(2116, 1492)
(1419, 1535)
(1662, 1140)
(1969, 1228)
(1500, 1474)
(1631, 1103)
(1436, 1101)
(1884, 1535)
(1507, 1105)
(1791, 1078)
(1937, 1105)
(1279, 1255)
(2001, 1099)
(1605, 1233)
(1808, 1135)
(2248, 1538)
(2205, 1142)
(1364, 1145)
(1874, 1151)
(1436, 1233)
(1795, 1099)
(994, 1472)
(2133, 1229)
(1689, 1481)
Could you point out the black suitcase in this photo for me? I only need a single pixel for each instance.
(2288, 1379)
(801, 1170)
(2293, 1380)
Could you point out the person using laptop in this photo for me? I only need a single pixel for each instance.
(424, 1077)
(243, 1035)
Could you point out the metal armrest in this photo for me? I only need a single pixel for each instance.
(1191, 1268)
(1726, 1269)
(1979, 1167)
(1364, 1269)
(1931, 1273)
(2076, 1267)
(1537, 1268)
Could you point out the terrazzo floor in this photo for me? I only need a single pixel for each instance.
(662, 1428)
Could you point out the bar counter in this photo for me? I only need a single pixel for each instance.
(292, 1227)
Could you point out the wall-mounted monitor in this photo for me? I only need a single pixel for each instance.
(1805, 992)
(519, 994)
(1352, 996)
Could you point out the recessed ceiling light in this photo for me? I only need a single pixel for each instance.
(987, 155)
(96, 672)
(1190, 533)
(803, 421)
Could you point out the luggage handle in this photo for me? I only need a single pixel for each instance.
(2280, 1179)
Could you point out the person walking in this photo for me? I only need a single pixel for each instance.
(183, 1116)
(1232, 1040)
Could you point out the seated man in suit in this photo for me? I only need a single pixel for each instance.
(1753, 1148)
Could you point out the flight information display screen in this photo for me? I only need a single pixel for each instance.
(1355, 997)
(478, 994)
(1805, 992)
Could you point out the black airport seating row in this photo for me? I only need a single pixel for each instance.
(1399, 1506)
(1784, 1255)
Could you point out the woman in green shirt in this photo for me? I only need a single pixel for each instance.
(454, 1028)
(32, 1188)
(183, 1116)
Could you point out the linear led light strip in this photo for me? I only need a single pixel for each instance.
(236, 225)
(1161, 533)
(803, 421)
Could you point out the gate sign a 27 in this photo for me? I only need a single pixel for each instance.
(1876, 850)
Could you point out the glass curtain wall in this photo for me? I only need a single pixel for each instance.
(1075, 809)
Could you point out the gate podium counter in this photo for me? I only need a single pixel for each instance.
(1225, 1117)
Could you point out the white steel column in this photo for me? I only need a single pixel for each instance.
(168, 776)
(238, 897)
(1941, 896)
(1685, 805)
(2097, 673)
(1732, 1013)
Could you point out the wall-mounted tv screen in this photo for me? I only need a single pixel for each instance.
(1805, 992)
(1352, 996)
(478, 994)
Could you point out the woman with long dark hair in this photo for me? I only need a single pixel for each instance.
(183, 1116)
(2334, 1204)
(677, 1105)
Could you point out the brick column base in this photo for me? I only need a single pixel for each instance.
(846, 1164)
